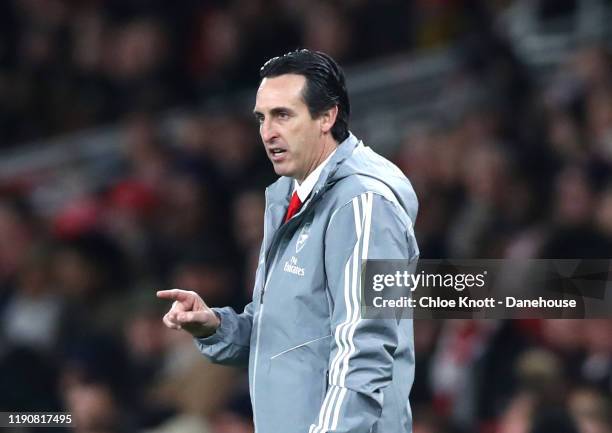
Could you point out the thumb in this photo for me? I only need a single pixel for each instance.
(193, 317)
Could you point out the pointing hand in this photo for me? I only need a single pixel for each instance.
(189, 312)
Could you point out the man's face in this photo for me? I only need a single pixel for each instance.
(292, 138)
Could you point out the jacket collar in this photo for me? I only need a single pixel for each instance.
(280, 191)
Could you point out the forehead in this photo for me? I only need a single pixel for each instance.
(282, 91)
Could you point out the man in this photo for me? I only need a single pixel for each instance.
(316, 366)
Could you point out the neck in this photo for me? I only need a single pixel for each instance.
(326, 150)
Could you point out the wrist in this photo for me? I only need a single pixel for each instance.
(209, 329)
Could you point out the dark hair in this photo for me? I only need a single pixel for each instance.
(325, 85)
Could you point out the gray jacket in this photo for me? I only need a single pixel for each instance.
(315, 366)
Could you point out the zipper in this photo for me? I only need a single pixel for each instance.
(259, 318)
(299, 345)
(325, 386)
(269, 271)
(255, 364)
(265, 259)
(256, 360)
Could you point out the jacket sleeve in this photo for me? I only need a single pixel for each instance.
(229, 345)
(361, 359)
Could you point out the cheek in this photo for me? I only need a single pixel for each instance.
(295, 140)
(300, 137)
(308, 134)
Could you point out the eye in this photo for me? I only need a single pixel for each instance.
(283, 115)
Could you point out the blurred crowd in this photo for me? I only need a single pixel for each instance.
(66, 65)
(521, 171)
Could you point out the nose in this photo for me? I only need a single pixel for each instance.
(267, 131)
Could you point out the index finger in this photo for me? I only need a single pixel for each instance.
(175, 295)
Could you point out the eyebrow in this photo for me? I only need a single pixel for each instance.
(274, 111)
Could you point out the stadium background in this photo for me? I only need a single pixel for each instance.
(129, 161)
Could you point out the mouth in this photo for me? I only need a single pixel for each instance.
(277, 154)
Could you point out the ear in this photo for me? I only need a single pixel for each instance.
(328, 119)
